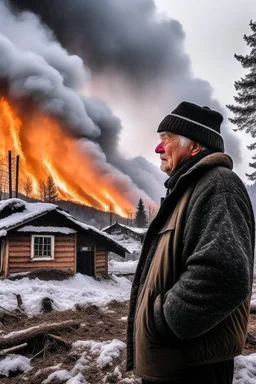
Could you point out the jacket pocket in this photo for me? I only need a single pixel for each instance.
(162, 328)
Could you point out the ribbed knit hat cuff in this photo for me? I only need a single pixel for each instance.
(198, 133)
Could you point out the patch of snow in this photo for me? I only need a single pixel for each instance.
(62, 375)
(245, 369)
(123, 268)
(33, 228)
(12, 203)
(31, 211)
(13, 363)
(253, 298)
(79, 289)
(106, 351)
(78, 379)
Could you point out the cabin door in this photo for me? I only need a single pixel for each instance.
(85, 260)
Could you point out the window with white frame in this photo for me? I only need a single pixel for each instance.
(42, 247)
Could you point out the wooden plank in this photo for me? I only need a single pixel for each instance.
(18, 248)
(64, 253)
(19, 261)
(63, 249)
(6, 269)
(30, 267)
(75, 253)
(101, 261)
(63, 256)
(19, 253)
(27, 262)
(36, 263)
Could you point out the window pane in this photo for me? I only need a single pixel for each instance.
(42, 246)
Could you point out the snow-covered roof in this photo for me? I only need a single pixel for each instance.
(22, 212)
(138, 230)
(29, 212)
(50, 229)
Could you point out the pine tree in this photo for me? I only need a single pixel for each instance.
(48, 190)
(51, 190)
(141, 217)
(42, 190)
(28, 187)
(245, 108)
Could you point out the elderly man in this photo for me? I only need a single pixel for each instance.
(190, 297)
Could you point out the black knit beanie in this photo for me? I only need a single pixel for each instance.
(200, 124)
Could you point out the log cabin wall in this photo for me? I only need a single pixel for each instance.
(101, 261)
(20, 253)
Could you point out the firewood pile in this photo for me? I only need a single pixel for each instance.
(41, 336)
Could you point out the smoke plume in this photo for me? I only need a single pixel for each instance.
(123, 52)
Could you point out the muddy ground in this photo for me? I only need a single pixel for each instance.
(99, 324)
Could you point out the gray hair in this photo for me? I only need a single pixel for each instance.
(184, 141)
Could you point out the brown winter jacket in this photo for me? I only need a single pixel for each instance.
(191, 292)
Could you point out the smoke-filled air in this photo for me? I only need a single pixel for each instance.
(82, 84)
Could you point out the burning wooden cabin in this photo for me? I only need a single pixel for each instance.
(43, 236)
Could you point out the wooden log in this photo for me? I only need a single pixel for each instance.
(60, 340)
(25, 335)
(17, 316)
(12, 349)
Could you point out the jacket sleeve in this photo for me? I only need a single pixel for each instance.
(218, 242)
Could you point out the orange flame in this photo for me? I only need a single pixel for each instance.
(45, 149)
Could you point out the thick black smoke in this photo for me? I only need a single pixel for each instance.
(137, 56)
(115, 35)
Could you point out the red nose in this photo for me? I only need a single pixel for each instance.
(159, 148)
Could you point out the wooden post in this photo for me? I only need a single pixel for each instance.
(110, 214)
(10, 173)
(17, 177)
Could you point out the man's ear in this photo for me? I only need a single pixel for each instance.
(196, 148)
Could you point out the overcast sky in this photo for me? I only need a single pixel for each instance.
(214, 31)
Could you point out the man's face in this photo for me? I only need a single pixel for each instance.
(172, 154)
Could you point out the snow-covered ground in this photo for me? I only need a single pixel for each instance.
(122, 268)
(65, 294)
(85, 290)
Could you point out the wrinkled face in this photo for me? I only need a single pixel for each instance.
(172, 153)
